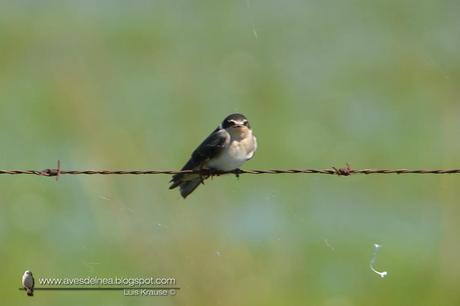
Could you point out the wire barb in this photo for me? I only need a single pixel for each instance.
(46, 172)
(343, 171)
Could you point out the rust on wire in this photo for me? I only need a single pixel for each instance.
(47, 172)
(343, 171)
(346, 171)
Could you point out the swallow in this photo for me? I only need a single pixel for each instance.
(230, 145)
(28, 283)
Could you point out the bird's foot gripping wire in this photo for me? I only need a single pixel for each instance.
(238, 172)
(210, 173)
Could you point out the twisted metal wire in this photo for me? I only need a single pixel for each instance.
(346, 171)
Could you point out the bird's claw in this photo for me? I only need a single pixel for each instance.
(212, 173)
(238, 172)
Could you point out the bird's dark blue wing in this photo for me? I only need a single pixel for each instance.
(211, 147)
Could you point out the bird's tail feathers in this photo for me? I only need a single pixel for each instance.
(187, 187)
(178, 179)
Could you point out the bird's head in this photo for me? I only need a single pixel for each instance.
(237, 125)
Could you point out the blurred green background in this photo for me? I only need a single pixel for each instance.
(137, 85)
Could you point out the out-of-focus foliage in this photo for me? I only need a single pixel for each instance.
(138, 84)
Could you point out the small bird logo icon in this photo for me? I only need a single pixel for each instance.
(230, 145)
(28, 282)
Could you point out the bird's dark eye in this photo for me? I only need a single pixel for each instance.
(245, 123)
(228, 123)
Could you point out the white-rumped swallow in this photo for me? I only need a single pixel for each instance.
(28, 283)
(225, 149)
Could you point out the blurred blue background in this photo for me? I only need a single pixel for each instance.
(137, 85)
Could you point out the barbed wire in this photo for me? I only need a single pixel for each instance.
(346, 171)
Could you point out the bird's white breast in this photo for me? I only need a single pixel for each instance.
(234, 154)
(27, 280)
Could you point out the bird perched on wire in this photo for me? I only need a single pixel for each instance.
(28, 283)
(225, 149)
